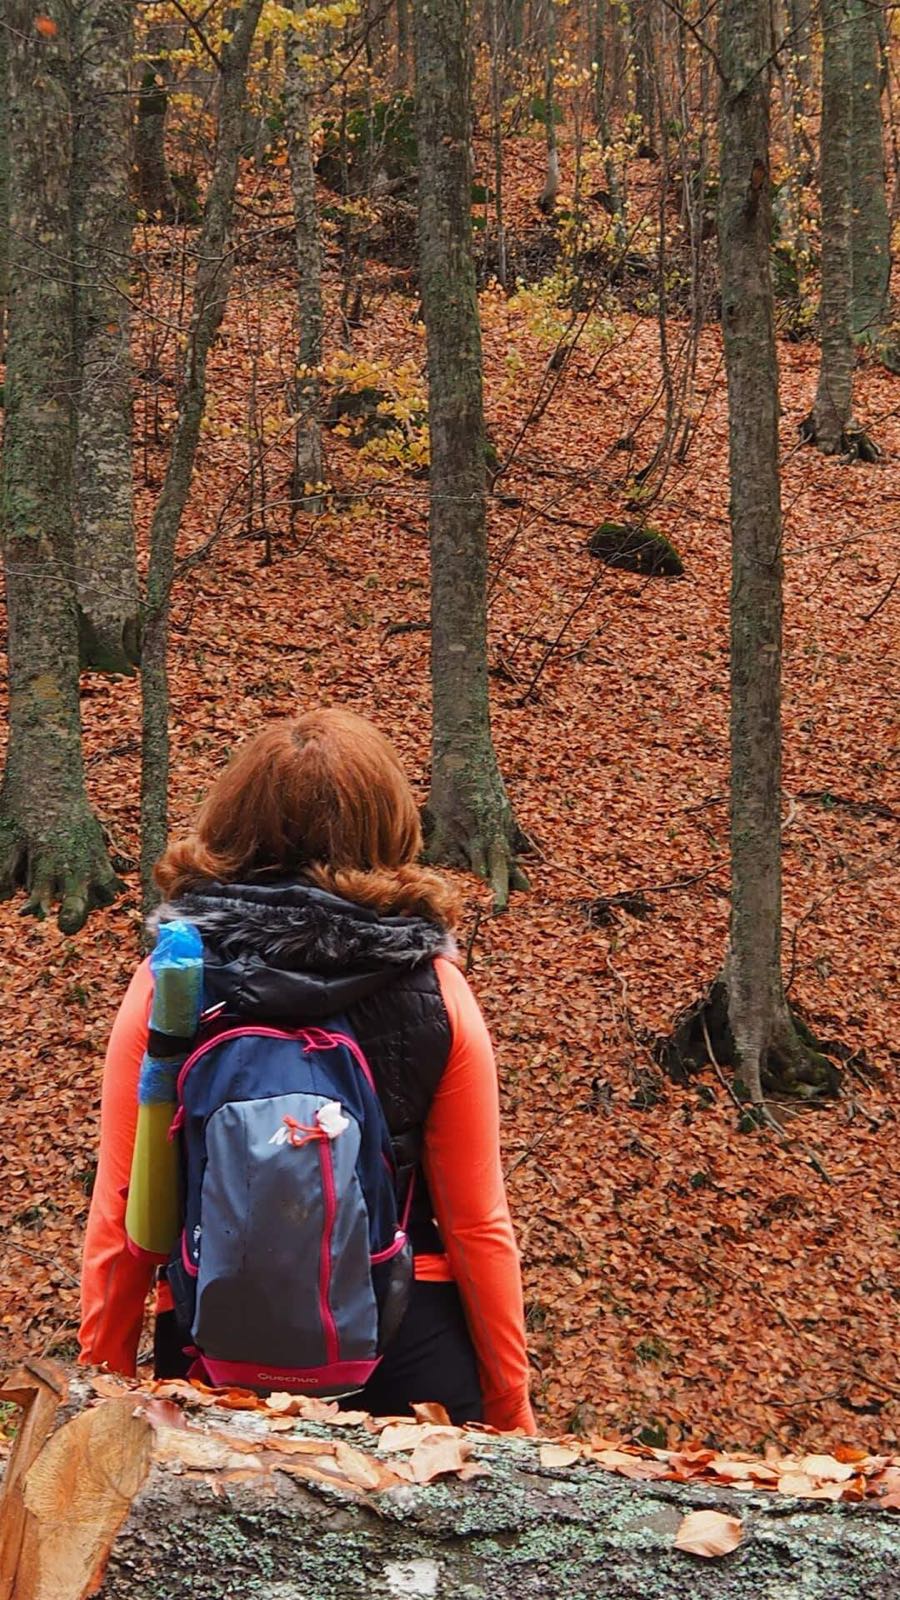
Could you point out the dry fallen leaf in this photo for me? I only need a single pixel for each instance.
(407, 1435)
(559, 1455)
(161, 1412)
(732, 1469)
(298, 1447)
(190, 1394)
(311, 1409)
(434, 1457)
(827, 1468)
(630, 1466)
(430, 1411)
(709, 1533)
(363, 1469)
(108, 1387)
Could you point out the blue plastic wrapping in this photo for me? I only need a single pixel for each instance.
(177, 968)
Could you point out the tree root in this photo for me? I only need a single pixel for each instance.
(463, 840)
(853, 444)
(66, 865)
(795, 1065)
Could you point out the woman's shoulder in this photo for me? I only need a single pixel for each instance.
(461, 1006)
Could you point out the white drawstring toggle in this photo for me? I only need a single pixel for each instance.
(331, 1119)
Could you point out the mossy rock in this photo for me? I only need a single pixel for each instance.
(361, 409)
(636, 549)
(378, 139)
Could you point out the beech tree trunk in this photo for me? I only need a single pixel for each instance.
(644, 71)
(834, 394)
(210, 294)
(550, 191)
(154, 191)
(870, 228)
(497, 138)
(4, 185)
(469, 817)
(768, 1049)
(107, 580)
(800, 22)
(603, 95)
(308, 470)
(401, 74)
(50, 842)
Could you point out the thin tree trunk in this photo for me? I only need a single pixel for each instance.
(50, 842)
(107, 580)
(211, 283)
(644, 72)
(602, 97)
(800, 22)
(870, 228)
(469, 816)
(155, 195)
(4, 184)
(308, 471)
(401, 76)
(765, 1039)
(550, 191)
(834, 394)
(497, 139)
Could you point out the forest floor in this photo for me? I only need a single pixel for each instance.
(683, 1280)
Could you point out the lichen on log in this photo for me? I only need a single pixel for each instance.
(222, 1505)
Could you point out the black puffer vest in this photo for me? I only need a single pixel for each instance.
(292, 954)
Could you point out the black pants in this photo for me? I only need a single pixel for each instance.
(430, 1358)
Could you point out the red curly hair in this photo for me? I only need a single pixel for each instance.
(322, 797)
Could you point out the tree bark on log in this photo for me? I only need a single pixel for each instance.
(185, 1531)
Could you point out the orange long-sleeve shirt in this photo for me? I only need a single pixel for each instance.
(461, 1157)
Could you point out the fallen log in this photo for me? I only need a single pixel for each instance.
(161, 1493)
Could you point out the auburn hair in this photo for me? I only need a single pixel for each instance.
(322, 797)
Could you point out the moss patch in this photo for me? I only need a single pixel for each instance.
(636, 549)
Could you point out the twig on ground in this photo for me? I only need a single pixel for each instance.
(46, 1261)
(524, 1154)
(884, 598)
(715, 1065)
(393, 629)
(471, 941)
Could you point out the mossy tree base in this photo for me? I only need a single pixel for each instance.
(852, 444)
(65, 864)
(702, 1037)
(478, 833)
(111, 646)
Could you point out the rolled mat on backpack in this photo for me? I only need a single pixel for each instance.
(153, 1210)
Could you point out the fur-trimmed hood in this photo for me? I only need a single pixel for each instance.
(290, 950)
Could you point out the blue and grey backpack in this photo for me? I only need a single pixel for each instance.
(294, 1266)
